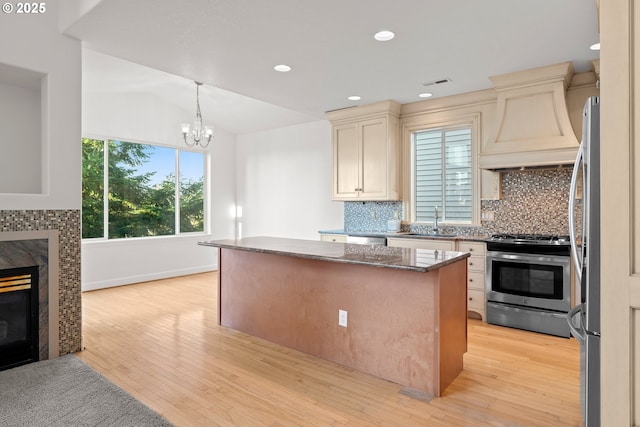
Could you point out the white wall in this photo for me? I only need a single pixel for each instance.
(35, 44)
(146, 118)
(20, 135)
(283, 181)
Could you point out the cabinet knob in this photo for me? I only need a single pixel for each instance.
(470, 263)
(470, 249)
(470, 280)
(470, 299)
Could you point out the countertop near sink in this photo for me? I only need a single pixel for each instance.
(410, 235)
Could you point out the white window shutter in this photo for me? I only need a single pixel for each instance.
(443, 174)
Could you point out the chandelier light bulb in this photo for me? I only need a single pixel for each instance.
(199, 134)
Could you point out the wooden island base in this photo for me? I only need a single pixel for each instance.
(408, 327)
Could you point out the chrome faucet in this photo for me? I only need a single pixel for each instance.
(435, 222)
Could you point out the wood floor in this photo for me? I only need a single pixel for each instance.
(159, 341)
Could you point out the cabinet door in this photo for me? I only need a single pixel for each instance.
(373, 140)
(619, 207)
(490, 185)
(346, 163)
(440, 245)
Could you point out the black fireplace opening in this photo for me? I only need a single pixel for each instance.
(19, 311)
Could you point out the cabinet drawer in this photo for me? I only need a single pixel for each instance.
(475, 300)
(334, 238)
(474, 248)
(475, 280)
(476, 263)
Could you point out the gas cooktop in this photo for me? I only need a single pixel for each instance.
(531, 239)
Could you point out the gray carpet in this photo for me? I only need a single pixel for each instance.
(67, 392)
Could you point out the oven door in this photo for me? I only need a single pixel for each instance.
(529, 280)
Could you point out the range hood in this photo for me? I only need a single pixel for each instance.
(531, 126)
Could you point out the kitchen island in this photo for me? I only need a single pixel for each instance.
(405, 308)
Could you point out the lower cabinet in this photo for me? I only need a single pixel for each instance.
(435, 244)
(476, 294)
(342, 238)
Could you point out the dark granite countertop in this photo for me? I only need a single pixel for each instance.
(407, 235)
(421, 260)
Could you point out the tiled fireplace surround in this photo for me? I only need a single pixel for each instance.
(51, 240)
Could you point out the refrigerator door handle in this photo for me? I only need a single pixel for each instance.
(573, 188)
(578, 332)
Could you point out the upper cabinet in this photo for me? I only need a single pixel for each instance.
(532, 124)
(366, 152)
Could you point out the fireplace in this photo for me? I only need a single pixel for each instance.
(19, 310)
(51, 240)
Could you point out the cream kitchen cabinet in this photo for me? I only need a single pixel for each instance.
(490, 185)
(366, 152)
(476, 293)
(532, 125)
(476, 264)
(419, 243)
(342, 238)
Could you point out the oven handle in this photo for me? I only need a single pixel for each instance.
(520, 257)
(573, 188)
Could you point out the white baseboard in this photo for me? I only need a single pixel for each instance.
(120, 281)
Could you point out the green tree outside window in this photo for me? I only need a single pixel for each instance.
(142, 196)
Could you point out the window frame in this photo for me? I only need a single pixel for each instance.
(178, 233)
(427, 122)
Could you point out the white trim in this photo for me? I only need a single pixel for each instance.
(146, 239)
(206, 156)
(420, 123)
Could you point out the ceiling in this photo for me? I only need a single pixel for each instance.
(233, 45)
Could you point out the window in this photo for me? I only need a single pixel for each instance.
(191, 191)
(442, 174)
(151, 190)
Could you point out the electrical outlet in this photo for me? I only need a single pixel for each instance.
(487, 215)
(342, 318)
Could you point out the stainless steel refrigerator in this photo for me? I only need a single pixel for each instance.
(584, 225)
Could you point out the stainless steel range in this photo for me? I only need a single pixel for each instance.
(529, 282)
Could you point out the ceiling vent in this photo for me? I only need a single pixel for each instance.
(437, 82)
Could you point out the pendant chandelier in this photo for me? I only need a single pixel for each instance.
(198, 134)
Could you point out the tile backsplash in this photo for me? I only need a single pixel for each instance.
(370, 216)
(533, 201)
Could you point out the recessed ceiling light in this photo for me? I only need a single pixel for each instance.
(595, 46)
(282, 68)
(354, 98)
(383, 36)
(425, 95)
